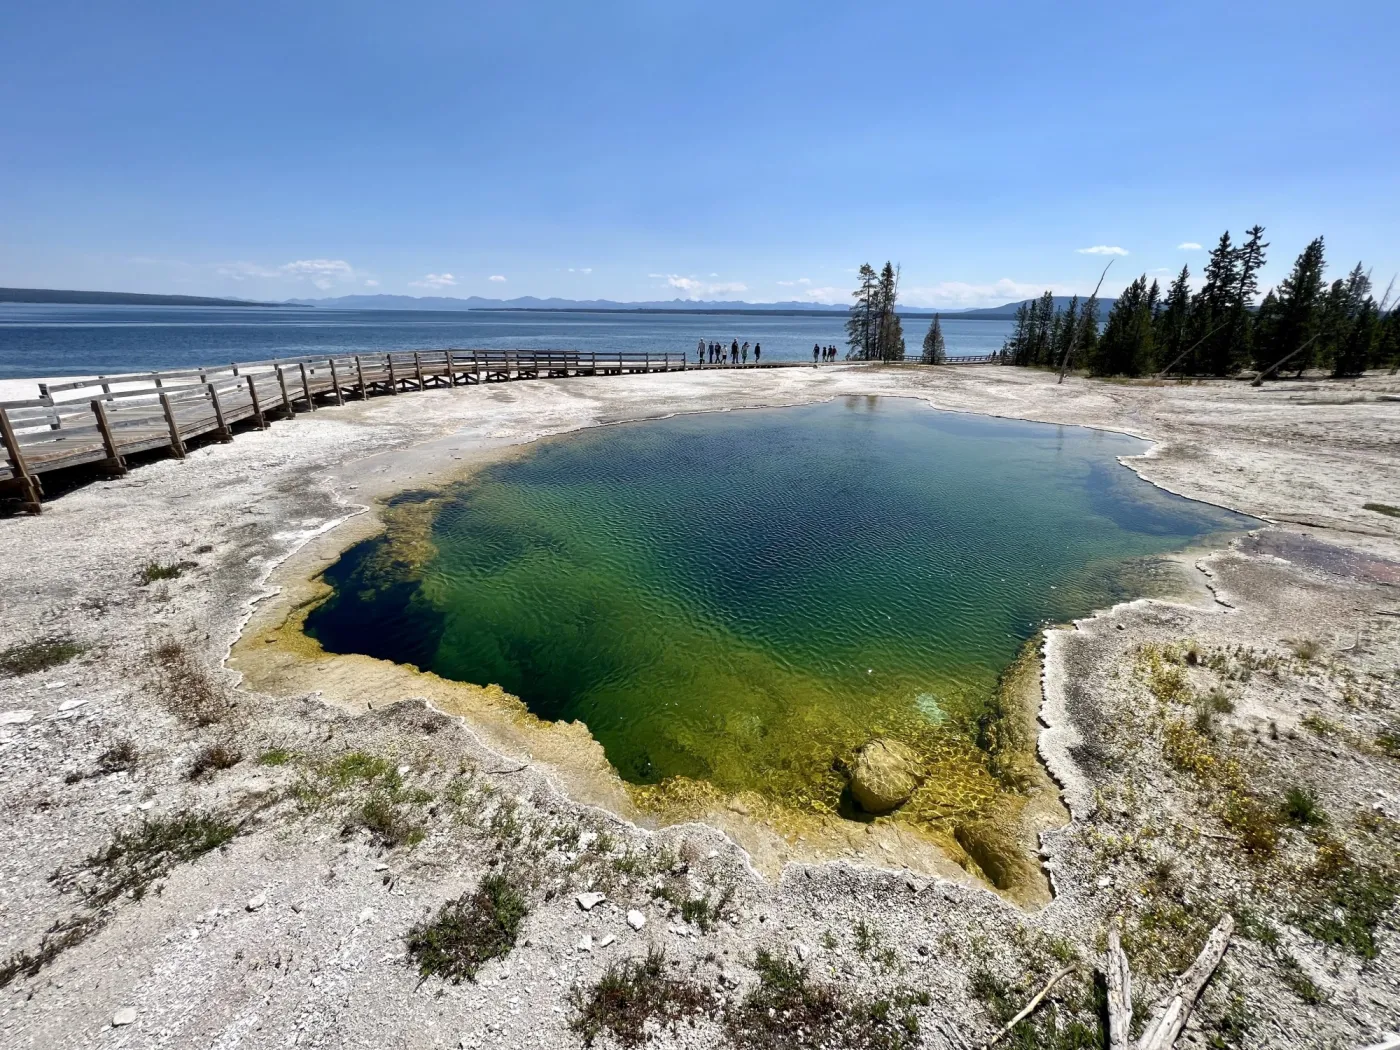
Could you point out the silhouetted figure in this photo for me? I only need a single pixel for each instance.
(744, 352)
(816, 349)
(734, 352)
(757, 352)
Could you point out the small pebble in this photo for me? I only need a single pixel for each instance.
(126, 1015)
(636, 919)
(589, 901)
(254, 903)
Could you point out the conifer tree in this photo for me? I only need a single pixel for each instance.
(935, 353)
(1215, 306)
(1299, 305)
(1017, 345)
(860, 324)
(1172, 322)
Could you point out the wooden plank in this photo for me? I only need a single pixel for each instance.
(286, 401)
(306, 389)
(335, 383)
(360, 371)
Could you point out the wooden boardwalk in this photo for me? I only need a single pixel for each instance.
(99, 422)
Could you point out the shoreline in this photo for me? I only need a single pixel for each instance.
(270, 499)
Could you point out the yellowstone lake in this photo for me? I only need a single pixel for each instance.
(743, 598)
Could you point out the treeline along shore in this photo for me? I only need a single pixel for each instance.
(1220, 329)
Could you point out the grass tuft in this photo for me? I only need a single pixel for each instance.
(633, 994)
(1300, 807)
(212, 758)
(789, 1011)
(275, 756)
(187, 687)
(155, 571)
(32, 657)
(469, 931)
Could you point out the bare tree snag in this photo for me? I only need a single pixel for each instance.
(1166, 1027)
(1120, 991)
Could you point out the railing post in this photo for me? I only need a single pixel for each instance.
(360, 372)
(115, 461)
(282, 382)
(224, 432)
(335, 382)
(177, 444)
(418, 368)
(257, 406)
(28, 483)
(393, 379)
(306, 387)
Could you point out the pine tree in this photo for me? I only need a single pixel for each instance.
(1042, 352)
(860, 325)
(1216, 306)
(1350, 324)
(1299, 306)
(1241, 328)
(889, 333)
(1066, 332)
(934, 351)
(1017, 345)
(1172, 323)
(1126, 345)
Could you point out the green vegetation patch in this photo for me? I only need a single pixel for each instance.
(1069, 1019)
(1382, 508)
(632, 994)
(789, 1011)
(32, 657)
(155, 571)
(1347, 902)
(469, 931)
(137, 857)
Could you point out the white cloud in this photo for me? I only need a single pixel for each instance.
(435, 280)
(323, 273)
(370, 282)
(580, 269)
(1102, 249)
(965, 295)
(827, 295)
(496, 277)
(1189, 246)
(800, 280)
(694, 288)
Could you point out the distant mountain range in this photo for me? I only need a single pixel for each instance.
(476, 302)
(57, 295)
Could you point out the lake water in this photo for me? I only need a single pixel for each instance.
(741, 597)
(42, 340)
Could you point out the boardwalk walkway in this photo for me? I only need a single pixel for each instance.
(98, 422)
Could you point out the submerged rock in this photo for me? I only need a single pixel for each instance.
(884, 774)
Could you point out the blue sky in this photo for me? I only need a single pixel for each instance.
(694, 149)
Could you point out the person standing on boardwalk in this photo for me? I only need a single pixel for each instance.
(700, 352)
(734, 352)
(816, 349)
(757, 352)
(744, 352)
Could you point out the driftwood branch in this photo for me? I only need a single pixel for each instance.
(1120, 991)
(1030, 1006)
(1164, 1029)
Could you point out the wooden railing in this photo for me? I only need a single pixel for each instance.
(101, 421)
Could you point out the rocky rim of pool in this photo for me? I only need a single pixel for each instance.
(737, 605)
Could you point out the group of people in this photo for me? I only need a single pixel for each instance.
(715, 352)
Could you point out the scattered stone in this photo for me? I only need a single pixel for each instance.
(802, 951)
(608, 938)
(254, 903)
(366, 916)
(587, 839)
(585, 943)
(126, 1015)
(298, 907)
(14, 718)
(381, 866)
(636, 919)
(70, 705)
(589, 901)
(54, 685)
(885, 774)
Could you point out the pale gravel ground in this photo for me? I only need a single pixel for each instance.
(203, 971)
